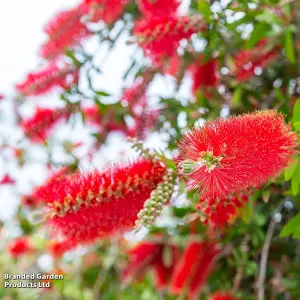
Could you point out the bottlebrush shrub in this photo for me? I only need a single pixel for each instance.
(19, 247)
(43, 81)
(193, 268)
(83, 207)
(105, 10)
(64, 30)
(246, 61)
(38, 127)
(159, 37)
(150, 8)
(150, 256)
(222, 296)
(234, 154)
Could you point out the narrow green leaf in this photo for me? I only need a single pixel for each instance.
(296, 112)
(295, 186)
(101, 93)
(247, 211)
(260, 31)
(289, 171)
(297, 125)
(290, 227)
(204, 8)
(289, 46)
(236, 97)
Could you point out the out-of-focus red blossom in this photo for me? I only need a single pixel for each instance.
(30, 201)
(108, 11)
(246, 61)
(1, 97)
(231, 155)
(219, 295)
(158, 8)
(159, 37)
(172, 67)
(43, 81)
(64, 30)
(19, 247)
(58, 248)
(38, 127)
(134, 93)
(204, 74)
(104, 123)
(7, 179)
(83, 207)
(150, 255)
(193, 268)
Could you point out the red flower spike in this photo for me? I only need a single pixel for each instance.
(222, 296)
(228, 156)
(160, 37)
(246, 61)
(150, 255)
(38, 127)
(108, 11)
(184, 269)
(6, 179)
(58, 248)
(193, 268)
(158, 8)
(140, 258)
(19, 247)
(43, 81)
(65, 30)
(204, 74)
(85, 207)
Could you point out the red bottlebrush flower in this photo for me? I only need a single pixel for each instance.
(160, 37)
(228, 156)
(204, 74)
(193, 268)
(38, 127)
(30, 201)
(158, 8)
(135, 93)
(58, 248)
(149, 255)
(6, 179)
(246, 61)
(108, 11)
(85, 207)
(65, 30)
(41, 82)
(19, 247)
(222, 296)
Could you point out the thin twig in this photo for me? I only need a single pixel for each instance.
(264, 256)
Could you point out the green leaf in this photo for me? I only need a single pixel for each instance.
(295, 186)
(260, 31)
(289, 46)
(247, 211)
(101, 93)
(297, 125)
(290, 227)
(236, 97)
(296, 111)
(289, 171)
(204, 8)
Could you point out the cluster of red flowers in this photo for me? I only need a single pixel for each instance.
(231, 155)
(160, 37)
(187, 271)
(105, 10)
(158, 8)
(65, 30)
(246, 61)
(204, 74)
(19, 247)
(38, 127)
(83, 207)
(58, 248)
(150, 255)
(40, 82)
